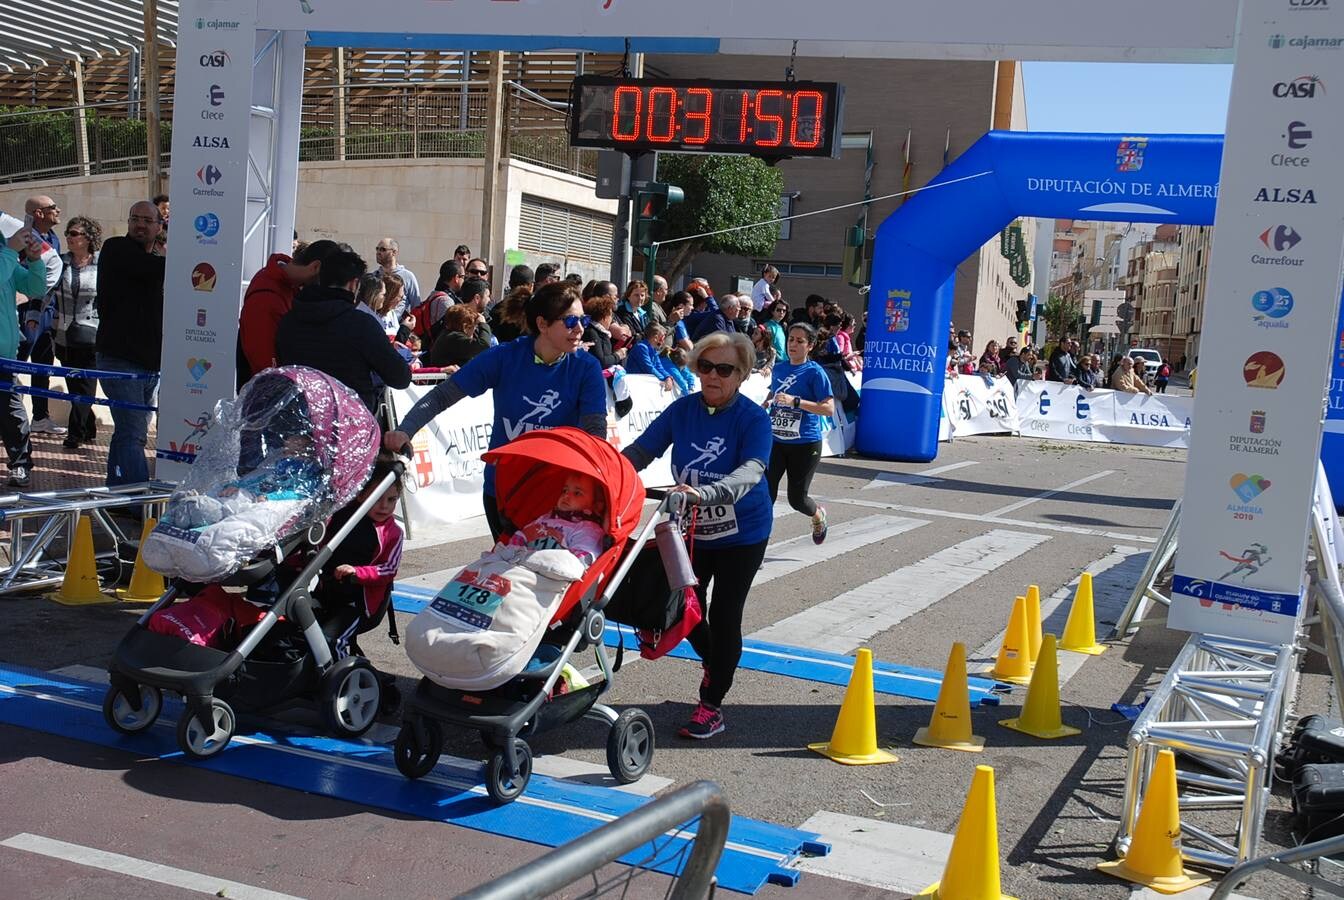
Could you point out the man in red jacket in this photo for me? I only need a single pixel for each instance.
(269, 296)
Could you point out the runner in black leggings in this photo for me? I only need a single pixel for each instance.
(800, 395)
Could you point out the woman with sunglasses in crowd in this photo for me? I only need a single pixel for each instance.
(539, 381)
(76, 327)
(720, 444)
(800, 396)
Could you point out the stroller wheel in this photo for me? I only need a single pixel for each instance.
(500, 783)
(202, 740)
(350, 697)
(124, 717)
(418, 746)
(630, 746)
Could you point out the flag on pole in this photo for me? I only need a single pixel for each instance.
(905, 174)
(947, 146)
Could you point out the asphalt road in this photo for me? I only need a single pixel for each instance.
(955, 547)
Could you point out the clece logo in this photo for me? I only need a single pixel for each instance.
(1298, 135)
(1285, 195)
(1081, 408)
(1271, 305)
(1263, 369)
(1303, 87)
(1044, 407)
(210, 142)
(1129, 154)
(1246, 489)
(207, 226)
(215, 59)
(203, 277)
(215, 95)
(898, 311)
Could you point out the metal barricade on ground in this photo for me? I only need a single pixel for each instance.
(585, 855)
(42, 526)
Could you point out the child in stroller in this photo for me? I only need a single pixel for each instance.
(285, 656)
(493, 655)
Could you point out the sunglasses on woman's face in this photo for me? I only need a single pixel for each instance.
(71, 234)
(572, 321)
(723, 370)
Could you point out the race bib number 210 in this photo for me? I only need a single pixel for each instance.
(717, 521)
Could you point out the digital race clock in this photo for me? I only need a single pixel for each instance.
(762, 118)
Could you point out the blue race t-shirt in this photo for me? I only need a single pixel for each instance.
(530, 395)
(679, 331)
(707, 447)
(809, 381)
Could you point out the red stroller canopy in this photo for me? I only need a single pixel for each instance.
(531, 469)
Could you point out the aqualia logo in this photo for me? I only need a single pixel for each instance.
(1271, 305)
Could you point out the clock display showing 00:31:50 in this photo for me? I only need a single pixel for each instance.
(771, 119)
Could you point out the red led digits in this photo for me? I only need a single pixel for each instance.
(704, 117)
(746, 110)
(670, 120)
(622, 92)
(766, 118)
(813, 121)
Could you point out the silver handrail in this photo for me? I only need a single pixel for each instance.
(1283, 863)
(586, 854)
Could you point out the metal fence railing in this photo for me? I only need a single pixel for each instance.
(412, 120)
(38, 143)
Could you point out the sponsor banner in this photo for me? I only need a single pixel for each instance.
(1271, 312)
(203, 277)
(1063, 412)
(974, 405)
(447, 471)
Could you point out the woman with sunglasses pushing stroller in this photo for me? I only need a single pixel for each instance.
(539, 381)
(721, 443)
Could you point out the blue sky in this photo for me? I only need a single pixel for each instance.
(1130, 98)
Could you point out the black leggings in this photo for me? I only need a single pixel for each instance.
(800, 462)
(492, 516)
(718, 638)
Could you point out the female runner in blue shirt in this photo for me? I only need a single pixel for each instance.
(539, 380)
(720, 444)
(800, 395)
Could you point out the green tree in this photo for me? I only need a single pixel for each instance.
(721, 192)
(1061, 316)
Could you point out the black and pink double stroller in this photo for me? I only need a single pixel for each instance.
(243, 542)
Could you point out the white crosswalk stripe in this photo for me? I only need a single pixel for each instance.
(786, 557)
(851, 619)
(924, 476)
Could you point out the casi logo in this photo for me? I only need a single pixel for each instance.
(1285, 195)
(1280, 238)
(1301, 5)
(1271, 304)
(203, 277)
(1303, 87)
(215, 59)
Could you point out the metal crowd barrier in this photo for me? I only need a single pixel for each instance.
(586, 854)
(1284, 863)
(42, 528)
(1145, 591)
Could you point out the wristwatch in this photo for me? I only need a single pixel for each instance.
(797, 402)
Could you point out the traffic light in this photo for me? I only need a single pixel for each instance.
(1023, 314)
(651, 201)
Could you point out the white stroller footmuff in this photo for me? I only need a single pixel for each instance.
(484, 625)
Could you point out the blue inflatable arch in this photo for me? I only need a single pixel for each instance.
(1004, 175)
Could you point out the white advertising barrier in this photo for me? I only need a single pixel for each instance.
(1063, 412)
(1273, 281)
(448, 472)
(974, 405)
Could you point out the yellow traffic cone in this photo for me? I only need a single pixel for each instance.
(854, 740)
(81, 586)
(1080, 632)
(1014, 660)
(1040, 711)
(1154, 857)
(146, 584)
(972, 870)
(1034, 621)
(950, 726)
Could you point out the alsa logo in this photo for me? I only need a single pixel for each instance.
(1156, 420)
(1303, 87)
(215, 59)
(222, 143)
(1285, 195)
